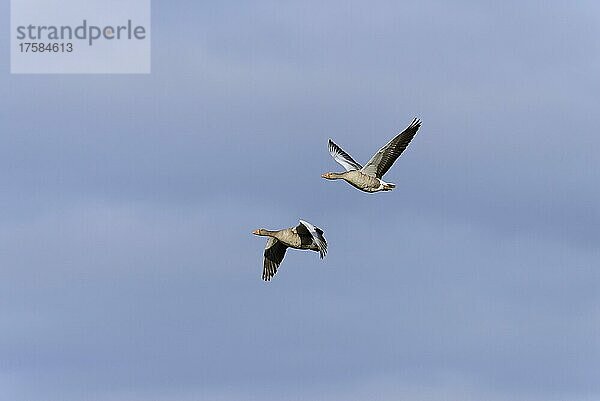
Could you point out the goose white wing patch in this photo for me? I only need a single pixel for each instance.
(342, 157)
(318, 237)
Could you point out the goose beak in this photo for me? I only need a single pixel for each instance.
(325, 175)
(255, 232)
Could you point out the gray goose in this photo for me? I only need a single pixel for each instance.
(369, 177)
(303, 236)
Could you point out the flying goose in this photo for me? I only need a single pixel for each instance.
(368, 178)
(303, 236)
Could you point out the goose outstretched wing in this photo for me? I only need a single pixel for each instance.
(274, 253)
(381, 161)
(342, 157)
(316, 233)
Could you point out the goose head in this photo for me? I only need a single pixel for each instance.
(331, 176)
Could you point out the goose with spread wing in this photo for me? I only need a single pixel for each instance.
(303, 236)
(368, 178)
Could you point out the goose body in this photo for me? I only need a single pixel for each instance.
(304, 236)
(368, 178)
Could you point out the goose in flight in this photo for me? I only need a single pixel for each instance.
(368, 178)
(303, 236)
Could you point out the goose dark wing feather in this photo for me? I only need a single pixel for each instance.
(274, 253)
(381, 162)
(306, 228)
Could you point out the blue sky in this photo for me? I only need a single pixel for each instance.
(128, 268)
